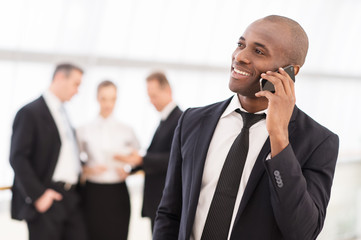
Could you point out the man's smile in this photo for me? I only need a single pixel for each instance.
(241, 72)
(238, 73)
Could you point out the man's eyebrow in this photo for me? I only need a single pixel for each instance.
(256, 43)
(260, 45)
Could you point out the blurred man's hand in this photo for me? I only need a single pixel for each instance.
(133, 159)
(45, 201)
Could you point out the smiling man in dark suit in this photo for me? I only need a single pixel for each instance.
(254, 166)
(155, 161)
(46, 163)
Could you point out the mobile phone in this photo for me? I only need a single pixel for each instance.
(267, 85)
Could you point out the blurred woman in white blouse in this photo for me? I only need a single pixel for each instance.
(107, 204)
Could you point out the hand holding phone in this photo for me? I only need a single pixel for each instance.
(280, 106)
(267, 85)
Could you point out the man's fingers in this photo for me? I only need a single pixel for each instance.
(56, 196)
(287, 81)
(122, 173)
(118, 157)
(282, 82)
(46, 200)
(266, 94)
(121, 158)
(274, 78)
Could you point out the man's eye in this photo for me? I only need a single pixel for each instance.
(259, 52)
(240, 45)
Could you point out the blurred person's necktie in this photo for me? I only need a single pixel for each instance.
(69, 130)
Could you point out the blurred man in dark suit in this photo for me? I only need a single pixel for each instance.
(155, 161)
(46, 163)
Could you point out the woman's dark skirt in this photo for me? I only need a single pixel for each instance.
(107, 211)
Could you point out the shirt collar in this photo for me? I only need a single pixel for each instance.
(235, 104)
(52, 100)
(101, 119)
(164, 114)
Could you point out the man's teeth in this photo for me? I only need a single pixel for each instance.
(241, 72)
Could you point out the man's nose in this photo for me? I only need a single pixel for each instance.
(242, 56)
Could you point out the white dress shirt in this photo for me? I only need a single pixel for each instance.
(167, 110)
(103, 138)
(68, 166)
(228, 127)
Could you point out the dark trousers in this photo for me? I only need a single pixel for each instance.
(107, 211)
(63, 221)
(152, 222)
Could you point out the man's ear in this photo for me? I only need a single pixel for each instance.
(296, 69)
(59, 76)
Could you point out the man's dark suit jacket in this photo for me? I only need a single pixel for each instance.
(155, 163)
(293, 208)
(35, 146)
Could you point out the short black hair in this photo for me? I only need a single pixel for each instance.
(66, 68)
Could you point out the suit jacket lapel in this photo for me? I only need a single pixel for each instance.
(256, 174)
(258, 168)
(207, 125)
(156, 133)
(163, 124)
(50, 124)
(46, 115)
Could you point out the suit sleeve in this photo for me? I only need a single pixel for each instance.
(299, 195)
(21, 151)
(169, 211)
(154, 163)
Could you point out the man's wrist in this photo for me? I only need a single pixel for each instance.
(278, 143)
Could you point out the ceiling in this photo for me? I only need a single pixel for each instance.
(199, 33)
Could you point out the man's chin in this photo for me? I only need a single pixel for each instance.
(241, 89)
(243, 92)
(236, 88)
(233, 86)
